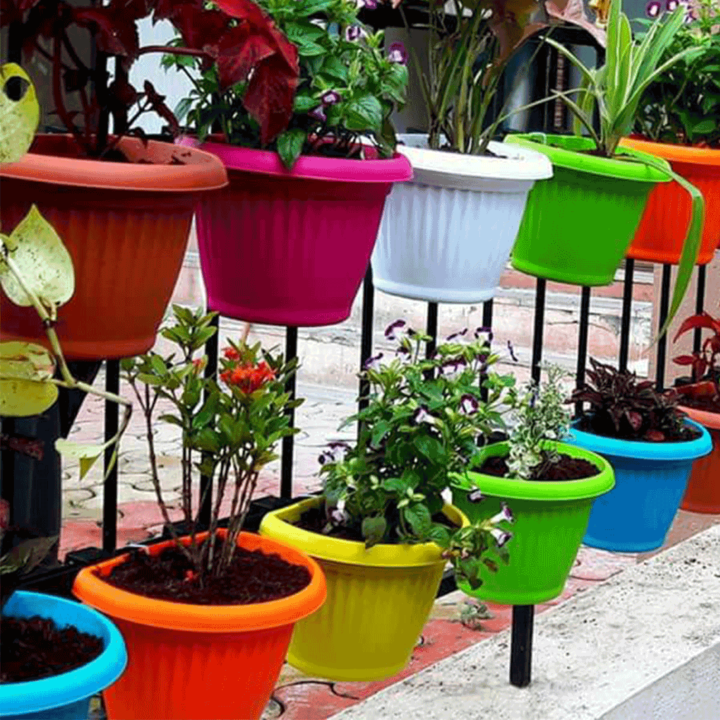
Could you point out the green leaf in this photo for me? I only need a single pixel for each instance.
(364, 113)
(418, 517)
(705, 126)
(85, 454)
(290, 145)
(373, 530)
(440, 535)
(304, 104)
(335, 68)
(19, 117)
(26, 555)
(24, 371)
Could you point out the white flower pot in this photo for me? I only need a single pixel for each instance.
(447, 234)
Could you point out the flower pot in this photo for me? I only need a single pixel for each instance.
(378, 600)
(550, 520)
(578, 225)
(291, 247)
(661, 233)
(126, 227)
(703, 490)
(446, 236)
(194, 662)
(650, 479)
(65, 696)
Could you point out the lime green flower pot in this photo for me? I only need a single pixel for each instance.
(579, 224)
(550, 521)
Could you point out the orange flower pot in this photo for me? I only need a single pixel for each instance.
(199, 662)
(703, 490)
(660, 235)
(126, 226)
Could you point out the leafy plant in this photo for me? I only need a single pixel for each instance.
(682, 105)
(622, 406)
(424, 419)
(468, 52)
(230, 426)
(347, 87)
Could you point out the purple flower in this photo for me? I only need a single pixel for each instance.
(505, 515)
(452, 366)
(468, 404)
(502, 537)
(331, 97)
(672, 5)
(373, 363)
(335, 453)
(421, 415)
(337, 514)
(479, 332)
(475, 496)
(404, 354)
(397, 331)
(457, 337)
(354, 33)
(653, 9)
(511, 350)
(318, 114)
(367, 4)
(397, 53)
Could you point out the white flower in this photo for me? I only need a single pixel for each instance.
(421, 415)
(502, 537)
(505, 515)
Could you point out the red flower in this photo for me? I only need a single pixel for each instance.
(248, 378)
(231, 353)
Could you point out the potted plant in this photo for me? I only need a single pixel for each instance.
(123, 204)
(700, 400)
(309, 148)
(380, 529)
(596, 186)
(207, 616)
(447, 235)
(651, 447)
(677, 121)
(551, 487)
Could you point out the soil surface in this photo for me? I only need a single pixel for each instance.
(253, 577)
(34, 648)
(567, 468)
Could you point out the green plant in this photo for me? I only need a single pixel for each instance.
(423, 421)
(230, 426)
(682, 104)
(622, 406)
(346, 91)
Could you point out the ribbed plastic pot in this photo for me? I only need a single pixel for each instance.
(650, 480)
(65, 696)
(703, 490)
(550, 521)
(377, 604)
(126, 227)
(446, 235)
(661, 233)
(578, 225)
(291, 247)
(194, 662)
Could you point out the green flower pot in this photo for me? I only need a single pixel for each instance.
(579, 224)
(550, 521)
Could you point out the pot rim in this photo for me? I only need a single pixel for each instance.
(169, 615)
(276, 524)
(198, 170)
(563, 153)
(688, 154)
(707, 418)
(307, 167)
(32, 696)
(541, 490)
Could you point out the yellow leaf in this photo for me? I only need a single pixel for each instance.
(19, 113)
(85, 454)
(42, 260)
(25, 369)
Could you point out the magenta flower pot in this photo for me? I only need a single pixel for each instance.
(291, 247)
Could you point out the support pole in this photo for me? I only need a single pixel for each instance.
(288, 442)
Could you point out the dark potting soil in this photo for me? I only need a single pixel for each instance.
(253, 577)
(567, 468)
(34, 648)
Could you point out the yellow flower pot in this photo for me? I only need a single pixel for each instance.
(378, 600)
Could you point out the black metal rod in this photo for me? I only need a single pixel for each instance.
(288, 442)
(487, 323)
(110, 485)
(626, 314)
(366, 335)
(431, 327)
(582, 350)
(699, 304)
(206, 491)
(540, 290)
(662, 342)
(523, 617)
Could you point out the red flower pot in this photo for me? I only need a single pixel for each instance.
(703, 490)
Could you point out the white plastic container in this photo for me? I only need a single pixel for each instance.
(447, 234)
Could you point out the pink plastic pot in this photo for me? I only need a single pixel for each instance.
(291, 247)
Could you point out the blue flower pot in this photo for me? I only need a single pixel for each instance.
(65, 696)
(650, 481)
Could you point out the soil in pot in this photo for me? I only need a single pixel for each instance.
(253, 577)
(34, 648)
(567, 468)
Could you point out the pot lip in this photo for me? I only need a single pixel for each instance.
(566, 157)
(169, 615)
(515, 162)
(688, 154)
(553, 490)
(350, 552)
(200, 171)
(707, 418)
(69, 687)
(307, 167)
(643, 450)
